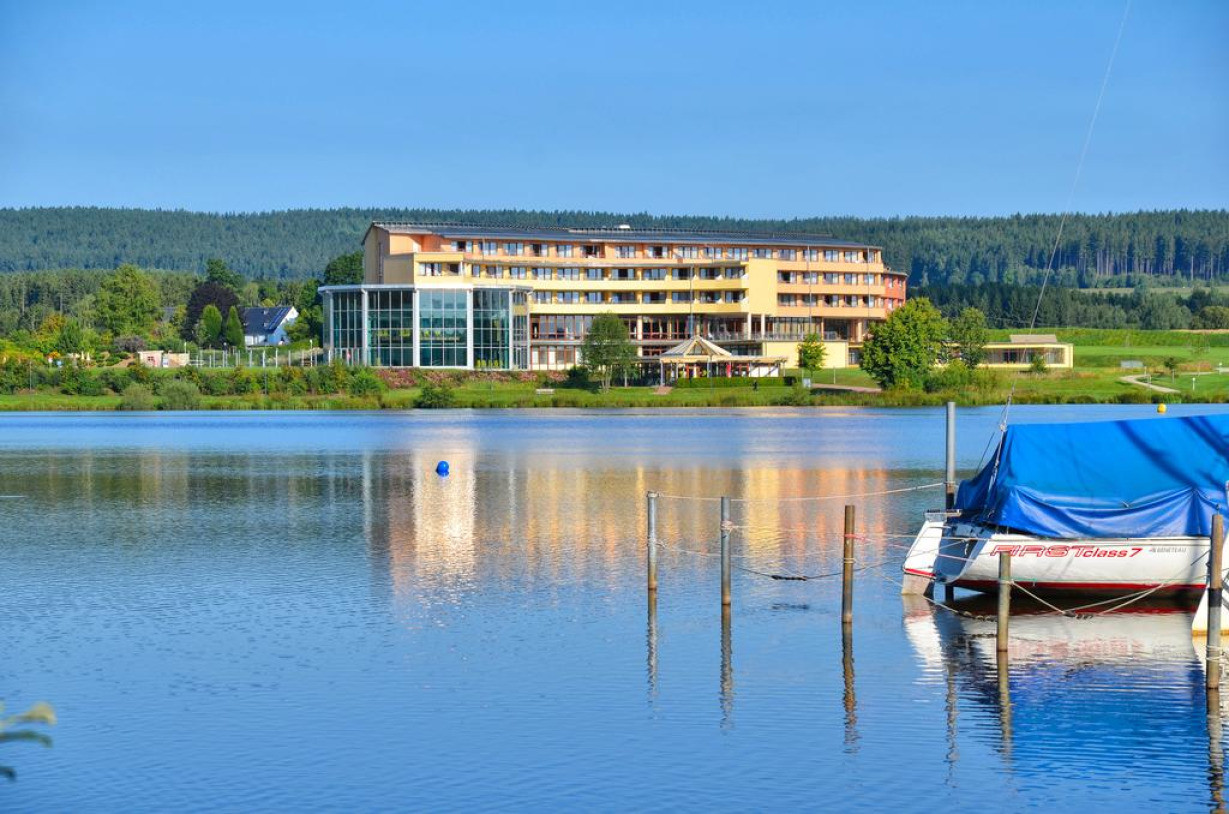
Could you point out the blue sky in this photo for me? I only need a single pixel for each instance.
(750, 109)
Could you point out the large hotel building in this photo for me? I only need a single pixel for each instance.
(458, 296)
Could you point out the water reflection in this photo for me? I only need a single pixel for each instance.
(850, 695)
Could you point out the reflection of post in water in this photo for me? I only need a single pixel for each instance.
(851, 693)
(1216, 753)
(652, 644)
(727, 668)
(1004, 701)
(952, 704)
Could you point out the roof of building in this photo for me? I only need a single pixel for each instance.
(264, 320)
(1033, 339)
(614, 234)
(696, 347)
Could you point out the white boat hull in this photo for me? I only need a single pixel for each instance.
(966, 555)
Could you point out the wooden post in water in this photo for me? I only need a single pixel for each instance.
(1216, 547)
(725, 552)
(652, 542)
(949, 480)
(1004, 615)
(847, 568)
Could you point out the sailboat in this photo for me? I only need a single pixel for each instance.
(1105, 507)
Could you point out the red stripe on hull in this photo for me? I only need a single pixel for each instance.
(992, 585)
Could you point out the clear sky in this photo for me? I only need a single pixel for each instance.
(773, 109)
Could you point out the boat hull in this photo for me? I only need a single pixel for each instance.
(966, 555)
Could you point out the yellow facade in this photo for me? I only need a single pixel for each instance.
(755, 294)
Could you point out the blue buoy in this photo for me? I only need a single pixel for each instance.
(441, 468)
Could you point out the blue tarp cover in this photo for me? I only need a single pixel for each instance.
(1154, 477)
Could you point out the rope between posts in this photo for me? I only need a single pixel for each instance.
(805, 498)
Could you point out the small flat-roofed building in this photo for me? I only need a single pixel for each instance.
(1020, 349)
(466, 296)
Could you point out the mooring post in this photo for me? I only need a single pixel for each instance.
(1004, 600)
(652, 541)
(1216, 547)
(725, 551)
(949, 478)
(847, 568)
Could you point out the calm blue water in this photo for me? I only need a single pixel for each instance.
(246, 612)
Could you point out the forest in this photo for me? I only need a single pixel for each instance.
(1170, 248)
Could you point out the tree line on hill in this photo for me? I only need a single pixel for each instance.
(1177, 247)
(82, 312)
(1013, 307)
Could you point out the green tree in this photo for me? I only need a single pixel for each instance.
(346, 269)
(902, 349)
(811, 353)
(969, 335)
(606, 349)
(209, 328)
(1199, 347)
(216, 271)
(1172, 363)
(1211, 318)
(128, 301)
(233, 332)
(205, 294)
(71, 338)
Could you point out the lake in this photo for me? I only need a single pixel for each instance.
(264, 611)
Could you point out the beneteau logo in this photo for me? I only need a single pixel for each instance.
(1064, 550)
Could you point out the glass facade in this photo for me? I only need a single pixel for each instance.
(443, 328)
(492, 331)
(390, 325)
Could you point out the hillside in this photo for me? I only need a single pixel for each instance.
(1174, 247)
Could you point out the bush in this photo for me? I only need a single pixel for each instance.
(137, 397)
(956, 376)
(436, 396)
(793, 397)
(241, 382)
(180, 395)
(215, 384)
(116, 378)
(364, 382)
(1038, 364)
(716, 382)
(91, 385)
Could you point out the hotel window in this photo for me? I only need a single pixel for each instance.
(541, 273)
(593, 296)
(738, 254)
(653, 274)
(657, 251)
(680, 296)
(622, 298)
(681, 274)
(514, 249)
(489, 247)
(731, 296)
(812, 255)
(390, 325)
(569, 297)
(853, 257)
(788, 254)
(568, 273)
(785, 277)
(594, 274)
(710, 274)
(460, 245)
(540, 249)
(831, 256)
(763, 254)
(623, 274)
(810, 277)
(870, 279)
(652, 297)
(832, 279)
(430, 269)
(687, 252)
(851, 279)
(516, 272)
(494, 271)
(442, 328)
(592, 251)
(563, 250)
(542, 297)
(714, 252)
(625, 252)
(734, 273)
